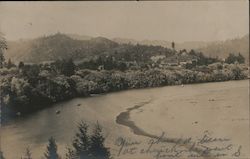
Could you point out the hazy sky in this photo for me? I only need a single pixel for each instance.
(169, 20)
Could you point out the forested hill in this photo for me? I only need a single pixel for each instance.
(61, 46)
(58, 46)
(217, 48)
(64, 46)
(223, 48)
(179, 45)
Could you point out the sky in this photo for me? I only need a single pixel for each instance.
(162, 20)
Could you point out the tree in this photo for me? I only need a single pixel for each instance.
(234, 58)
(173, 45)
(71, 154)
(3, 46)
(81, 141)
(20, 65)
(1, 155)
(10, 64)
(230, 59)
(68, 67)
(88, 147)
(237, 73)
(97, 148)
(27, 154)
(2, 59)
(51, 152)
(31, 73)
(241, 59)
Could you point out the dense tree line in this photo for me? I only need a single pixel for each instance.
(104, 62)
(31, 87)
(232, 58)
(3, 46)
(202, 59)
(85, 145)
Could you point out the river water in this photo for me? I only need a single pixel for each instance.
(221, 108)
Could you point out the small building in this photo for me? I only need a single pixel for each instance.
(157, 58)
(101, 67)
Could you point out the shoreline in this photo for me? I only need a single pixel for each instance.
(124, 119)
(5, 119)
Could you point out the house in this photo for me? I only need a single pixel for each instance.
(157, 58)
(101, 67)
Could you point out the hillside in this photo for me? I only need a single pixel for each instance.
(79, 37)
(78, 47)
(63, 46)
(184, 45)
(223, 48)
(58, 46)
(213, 49)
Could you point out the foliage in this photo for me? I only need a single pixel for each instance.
(9, 64)
(109, 67)
(20, 65)
(173, 45)
(27, 154)
(51, 152)
(71, 154)
(223, 48)
(234, 58)
(1, 155)
(81, 141)
(32, 87)
(3, 46)
(202, 59)
(88, 146)
(65, 67)
(85, 145)
(97, 148)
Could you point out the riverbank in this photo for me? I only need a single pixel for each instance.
(172, 109)
(26, 93)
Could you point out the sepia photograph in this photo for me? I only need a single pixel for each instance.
(124, 79)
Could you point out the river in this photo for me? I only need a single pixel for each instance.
(221, 108)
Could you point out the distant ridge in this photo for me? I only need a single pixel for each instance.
(223, 48)
(214, 49)
(184, 45)
(57, 46)
(78, 47)
(79, 37)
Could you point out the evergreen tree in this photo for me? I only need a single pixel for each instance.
(241, 59)
(3, 46)
(51, 150)
(1, 155)
(234, 58)
(81, 141)
(9, 64)
(71, 154)
(237, 73)
(2, 59)
(20, 65)
(97, 148)
(27, 154)
(173, 45)
(68, 67)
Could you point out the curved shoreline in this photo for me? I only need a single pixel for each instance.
(124, 119)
